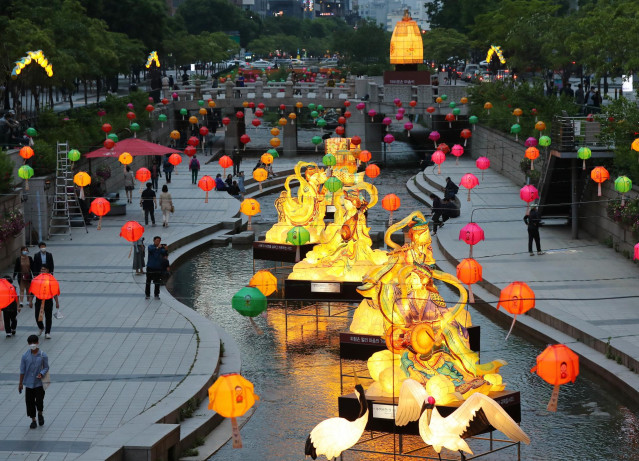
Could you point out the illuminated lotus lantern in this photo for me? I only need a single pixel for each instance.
(516, 129)
(245, 139)
(44, 287)
(434, 136)
(584, 153)
(599, 175)
(8, 296)
(408, 126)
(292, 116)
(175, 135)
(298, 236)
(557, 365)
(231, 396)
(488, 106)
(113, 137)
(207, 184)
(226, 121)
(162, 118)
(372, 171)
(623, 184)
(469, 181)
(260, 175)
(333, 184)
(517, 113)
(275, 142)
(193, 120)
(100, 207)
(473, 120)
(26, 153)
(457, 151)
(250, 207)
(517, 298)
(444, 148)
(211, 103)
(531, 154)
(406, 46)
(391, 202)
(528, 194)
(360, 107)
(125, 158)
(73, 155)
(431, 111)
(635, 145)
(540, 126)
(82, 179)
(483, 163)
(225, 162)
(265, 282)
(184, 113)
(472, 234)
(316, 140)
(365, 156)
(545, 141)
(531, 142)
(339, 130)
(469, 271)
(438, 157)
(143, 175)
(25, 172)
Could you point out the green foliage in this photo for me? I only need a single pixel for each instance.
(11, 224)
(619, 128)
(626, 214)
(440, 45)
(6, 171)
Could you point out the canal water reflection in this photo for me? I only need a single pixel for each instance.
(296, 370)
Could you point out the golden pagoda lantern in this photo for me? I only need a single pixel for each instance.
(406, 46)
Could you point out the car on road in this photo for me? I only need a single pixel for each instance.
(331, 62)
(485, 77)
(262, 64)
(470, 72)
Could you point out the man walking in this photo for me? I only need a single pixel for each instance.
(42, 259)
(194, 166)
(34, 365)
(533, 221)
(157, 252)
(148, 203)
(437, 212)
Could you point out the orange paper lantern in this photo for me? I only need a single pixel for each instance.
(372, 171)
(26, 152)
(225, 162)
(132, 231)
(143, 175)
(250, 207)
(44, 286)
(175, 159)
(557, 365)
(264, 281)
(517, 298)
(8, 293)
(365, 156)
(100, 207)
(260, 174)
(391, 202)
(125, 158)
(599, 174)
(206, 183)
(531, 154)
(469, 271)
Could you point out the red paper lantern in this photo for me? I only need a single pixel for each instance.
(450, 118)
(256, 122)
(44, 286)
(190, 151)
(175, 159)
(469, 271)
(347, 115)
(258, 113)
(636, 251)
(8, 293)
(465, 134)
(130, 115)
(438, 157)
(131, 231)
(239, 115)
(193, 141)
(444, 148)
(251, 105)
(149, 108)
(204, 131)
(472, 234)
(391, 202)
(107, 128)
(430, 110)
(340, 130)
(109, 143)
(557, 365)
(365, 156)
(347, 103)
(245, 139)
(225, 162)
(206, 183)
(412, 103)
(261, 106)
(517, 298)
(100, 207)
(26, 152)
(143, 174)
(469, 181)
(372, 171)
(341, 120)
(356, 140)
(225, 122)
(165, 101)
(599, 174)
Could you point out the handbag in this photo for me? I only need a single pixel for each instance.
(46, 379)
(172, 208)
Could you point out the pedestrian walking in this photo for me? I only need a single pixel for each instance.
(22, 273)
(166, 205)
(10, 314)
(533, 221)
(237, 160)
(44, 311)
(154, 265)
(155, 174)
(194, 166)
(129, 184)
(168, 169)
(138, 256)
(437, 211)
(34, 367)
(148, 203)
(41, 260)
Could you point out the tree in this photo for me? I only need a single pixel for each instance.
(442, 45)
(457, 14)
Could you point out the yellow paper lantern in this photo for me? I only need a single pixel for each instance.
(125, 158)
(245, 104)
(193, 120)
(265, 282)
(250, 207)
(202, 111)
(292, 116)
(175, 134)
(211, 103)
(275, 131)
(82, 179)
(282, 121)
(260, 174)
(266, 159)
(406, 46)
(275, 142)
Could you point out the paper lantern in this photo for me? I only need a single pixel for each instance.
(391, 202)
(250, 207)
(469, 181)
(365, 156)
(100, 207)
(249, 302)
(108, 143)
(517, 298)
(488, 106)
(599, 174)
(339, 130)
(356, 141)
(231, 396)
(372, 171)
(469, 271)
(245, 139)
(434, 136)
(44, 286)
(389, 139)
(107, 128)
(130, 115)
(439, 100)
(298, 236)
(225, 162)
(517, 113)
(292, 116)
(430, 110)
(333, 184)
(25, 172)
(347, 103)
(347, 115)
(316, 140)
(299, 106)
(531, 154)
(175, 159)
(273, 152)
(31, 132)
(82, 179)
(584, 154)
(26, 152)
(472, 234)
(131, 231)
(190, 151)
(175, 134)
(473, 120)
(239, 115)
(623, 184)
(450, 118)
(74, 155)
(311, 106)
(557, 365)
(531, 142)
(465, 135)
(372, 113)
(636, 255)
(457, 151)
(265, 282)
(275, 143)
(438, 157)
(516, 129)
(143, 175)
(540, 126)
(528, 194)
(202, 112)
(443, 147)
(635, 145)
(260, 174)
(8, 295)
(386, 121)
(320, 122)
(225, 122)
(544, 141)
(204, 131)
(282, 121)
(206, 183)
(193, 141)
(399, 116)
(211, 103)
(464, 100)
(408, 126)
(266, 159)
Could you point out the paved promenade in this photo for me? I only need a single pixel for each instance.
(117, 360)
(587, 294)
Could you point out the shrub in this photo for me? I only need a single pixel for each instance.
(6, 172)
(11, 224)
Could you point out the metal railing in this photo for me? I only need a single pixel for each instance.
(570, 133)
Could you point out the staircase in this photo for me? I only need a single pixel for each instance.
(66, 211)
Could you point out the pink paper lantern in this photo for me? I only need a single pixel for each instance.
(408, 126)
(483, 163)
(372, 113)
(637, 251)
(434, 136)
(531, 142)
(399, 116)
(387, 121)
(389, 139)
(528, 194)
(457, 151)
(469, 181)
(472, 234)
(360, 107)
(438, 158)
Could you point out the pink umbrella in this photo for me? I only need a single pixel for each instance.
(472, 234)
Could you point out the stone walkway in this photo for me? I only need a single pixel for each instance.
(587, 294)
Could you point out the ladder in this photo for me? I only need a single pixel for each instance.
(66, 211)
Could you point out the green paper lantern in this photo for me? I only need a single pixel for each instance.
(74, 155)
(200, 103)
(183, 112)
(623, 184)
(311, 106)
(544, 141)
(333, 184)
(584, 153)
(113, 137)
(249, 302)
(444, 97)
(328, 159)
(273, 152)
(31, 132)
(317, 140)
(320, 122)
(162, 118)
(456, 111)
(314, 114)
(134, 127)
(516, 128)
(320, 108)
(298, 236)
(473, 119)
(25, 172)
(452, 104)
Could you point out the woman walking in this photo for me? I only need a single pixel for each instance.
(166, 205)
(129, 184)
(22, 273)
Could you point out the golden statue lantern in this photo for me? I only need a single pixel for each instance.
(406, 46)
